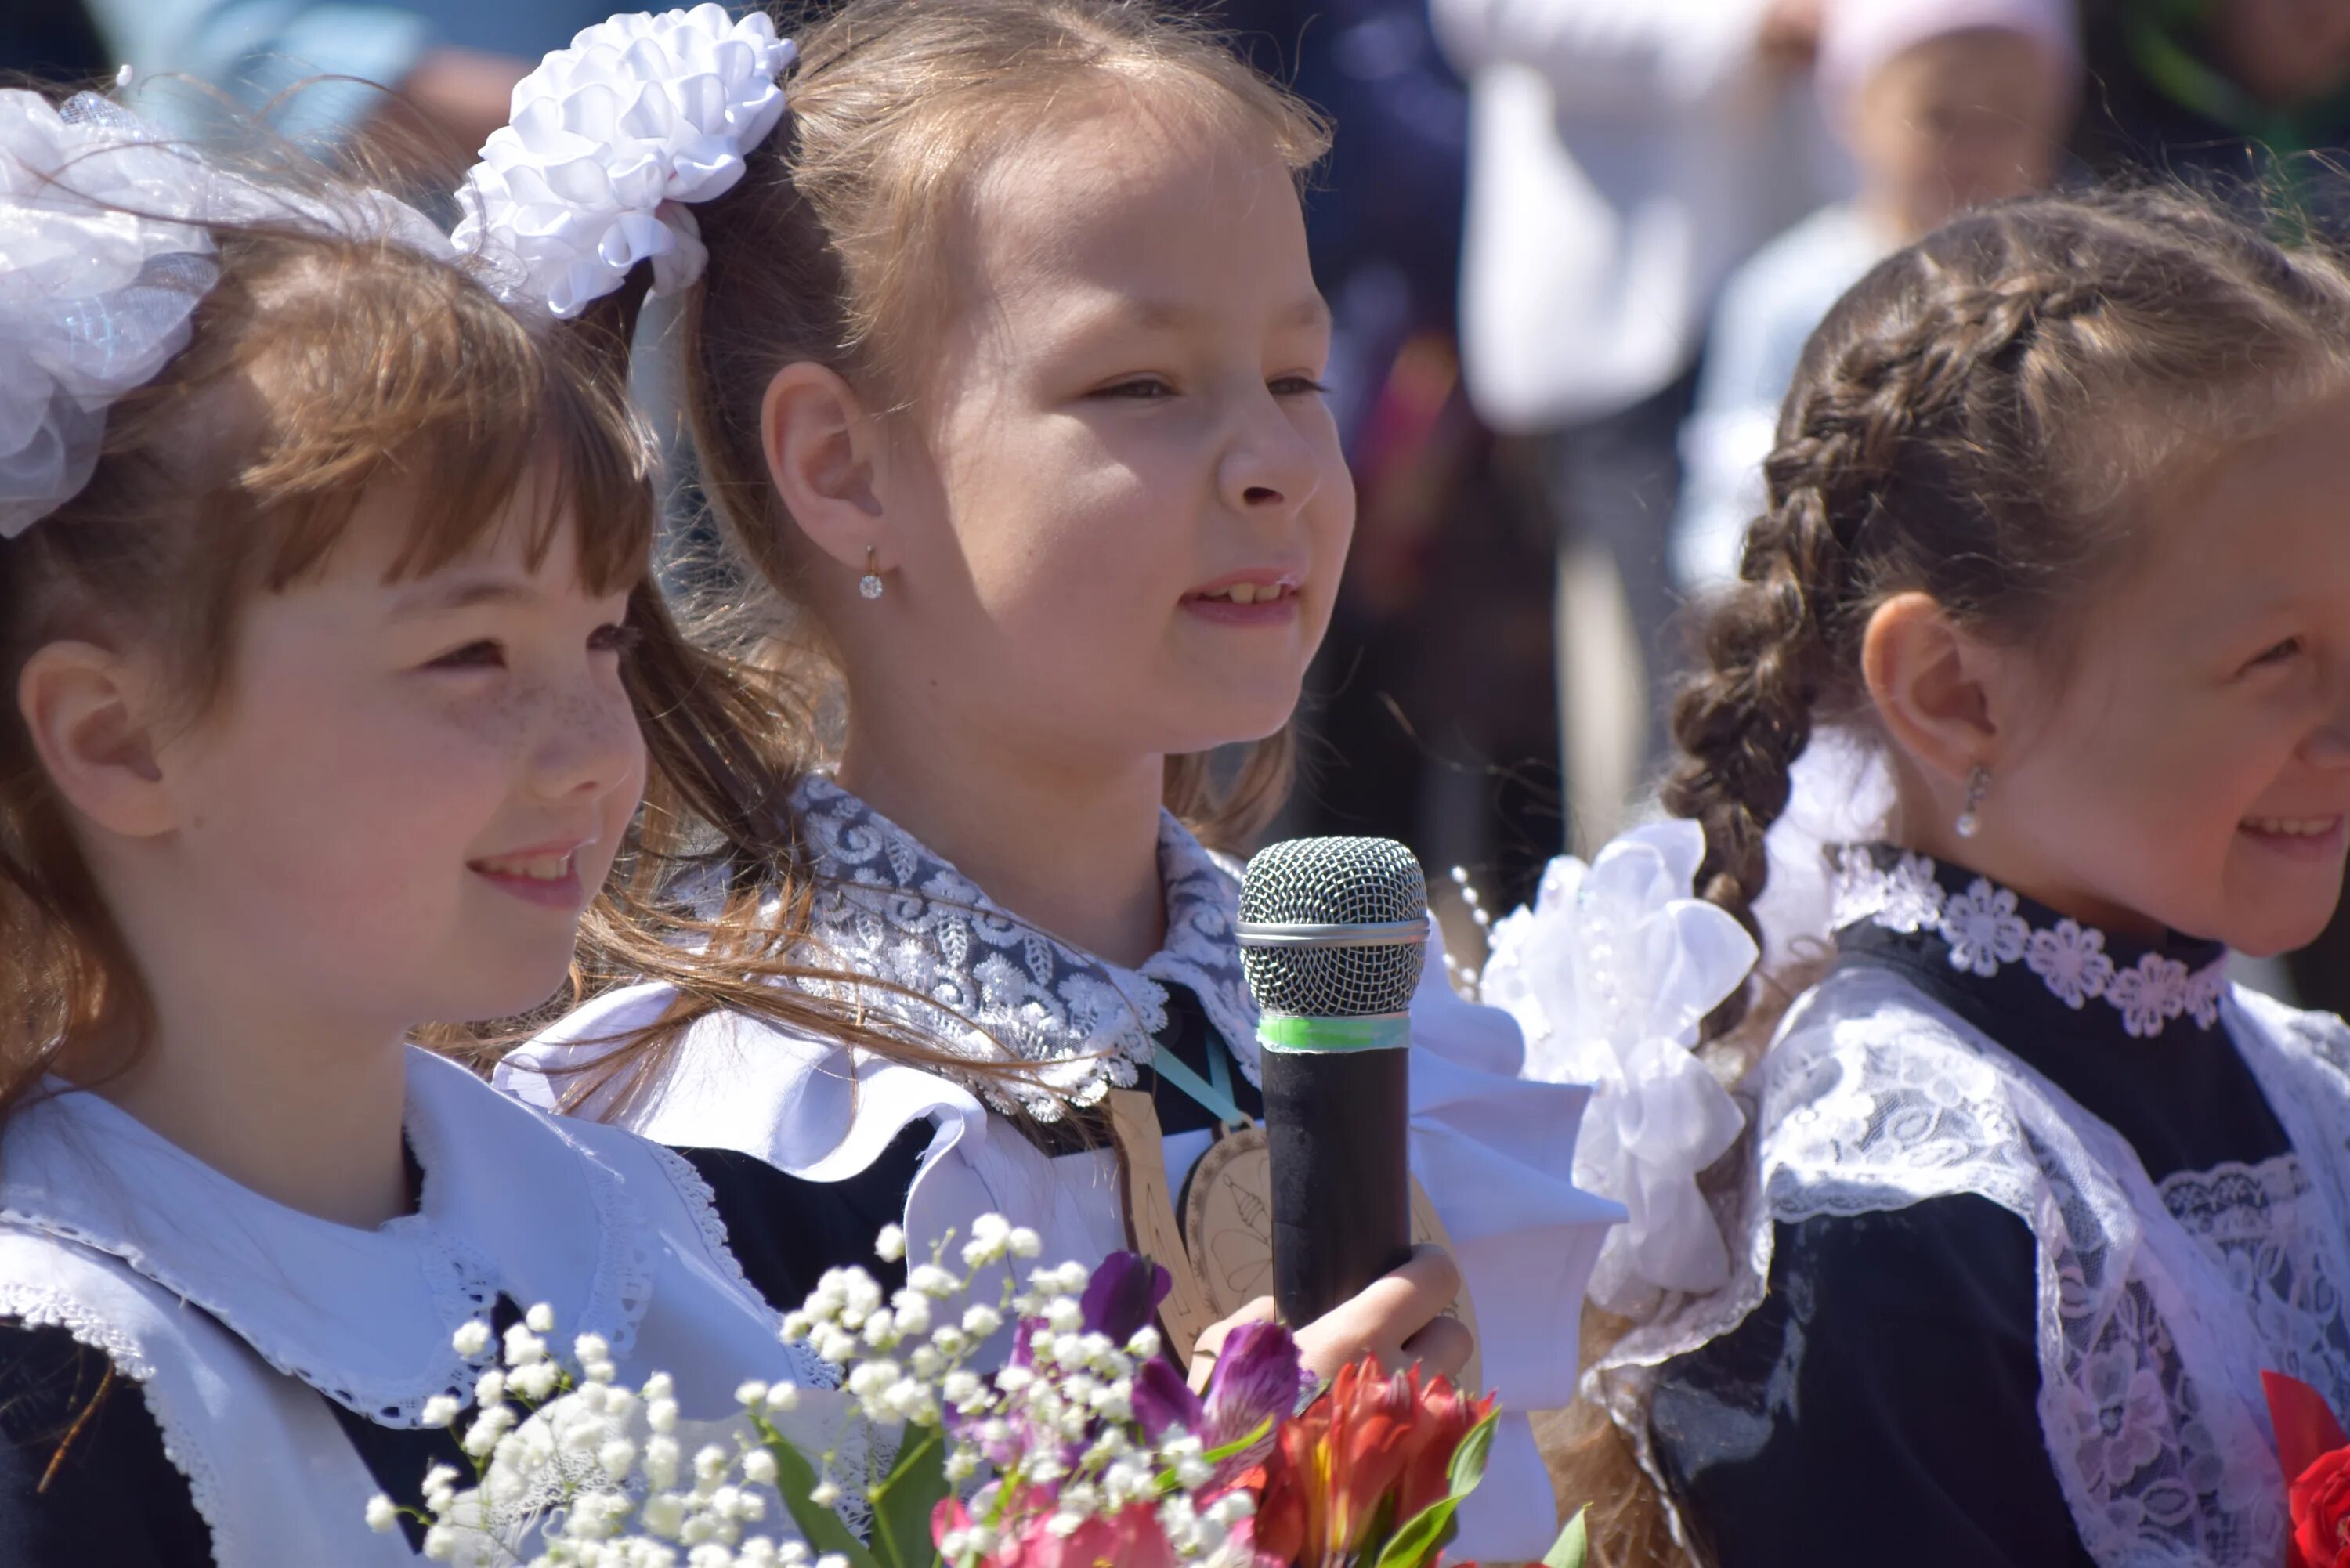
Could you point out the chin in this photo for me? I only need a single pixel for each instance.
(507, 994)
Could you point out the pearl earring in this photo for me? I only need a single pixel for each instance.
(1969, 821)
(870, 583)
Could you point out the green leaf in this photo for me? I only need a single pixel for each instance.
(1425, 1533)
(1422, 1536)
(1572, 1543)
(822, 1529)
(902, 1503)
(1241, 1444)
(1469, 1458)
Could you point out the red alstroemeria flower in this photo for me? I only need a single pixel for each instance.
(1373, 1448)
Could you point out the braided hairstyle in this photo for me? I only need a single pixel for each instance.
(1973, 421)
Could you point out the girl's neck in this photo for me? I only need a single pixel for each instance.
(1071, 849)
(304, 1110)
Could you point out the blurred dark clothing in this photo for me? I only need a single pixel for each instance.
(2156, 102)
(52, 40)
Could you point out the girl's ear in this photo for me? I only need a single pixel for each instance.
(1926, 680)
(824, 451)
(91, 716)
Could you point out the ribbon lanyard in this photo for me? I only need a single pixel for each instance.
(1214, 1092)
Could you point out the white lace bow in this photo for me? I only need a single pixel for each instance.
(609, 139)
(1609, 973)
(105, 253)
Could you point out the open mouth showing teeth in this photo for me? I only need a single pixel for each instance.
(1250, 593)
(2291, 826)
(528, 867)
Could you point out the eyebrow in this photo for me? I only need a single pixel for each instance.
(444, 596)
(1161, 315)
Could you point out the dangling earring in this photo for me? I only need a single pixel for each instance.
(1969, 821)
(871, 585)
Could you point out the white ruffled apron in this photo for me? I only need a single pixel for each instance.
(234, 1315)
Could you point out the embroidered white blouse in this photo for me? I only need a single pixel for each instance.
(1495, 1153)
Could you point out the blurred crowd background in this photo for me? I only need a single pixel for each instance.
(1574, 248)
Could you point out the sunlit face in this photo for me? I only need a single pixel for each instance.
(1122, 524)
(2193, 772)
(1958, 121)
(412, 789)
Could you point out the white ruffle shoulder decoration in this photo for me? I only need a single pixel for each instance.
(1609, 973)
(610, 138)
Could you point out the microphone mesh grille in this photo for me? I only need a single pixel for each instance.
(1333, 881)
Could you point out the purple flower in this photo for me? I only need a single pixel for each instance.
(1124, 1294)
(1258, 1383)
(1162, 1400)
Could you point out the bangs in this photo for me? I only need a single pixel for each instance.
(370, 364)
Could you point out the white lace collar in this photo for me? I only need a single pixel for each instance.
(888, 909)
(510, 1204)
(1986, 932)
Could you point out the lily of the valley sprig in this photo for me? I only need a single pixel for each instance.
(1084, 1448)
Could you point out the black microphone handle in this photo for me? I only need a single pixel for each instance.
(1341, 1187)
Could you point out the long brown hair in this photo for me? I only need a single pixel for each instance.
(1977, 420)
(318, 365)
(829, 250)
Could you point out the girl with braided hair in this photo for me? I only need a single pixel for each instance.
(2031, 1196)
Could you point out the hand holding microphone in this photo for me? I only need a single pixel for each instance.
(1332, 934)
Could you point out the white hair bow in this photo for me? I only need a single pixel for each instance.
(105, 253)
(1609, 973)
(609, 139)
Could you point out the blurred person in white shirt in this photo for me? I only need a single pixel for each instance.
(1945, 105)
(1624, 156)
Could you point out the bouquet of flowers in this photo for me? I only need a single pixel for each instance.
(1086, 1448)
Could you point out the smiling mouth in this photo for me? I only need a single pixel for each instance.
(1249, 594)
(2291, 826)
(548, 879)
(526, 867)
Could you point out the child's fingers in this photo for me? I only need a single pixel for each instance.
(1443, 1348)
(1211, 1342)
(1397, 1306)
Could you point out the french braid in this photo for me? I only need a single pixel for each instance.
(1957, 427)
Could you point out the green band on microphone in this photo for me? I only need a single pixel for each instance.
(1388, 1032)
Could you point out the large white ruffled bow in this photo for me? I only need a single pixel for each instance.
(105, 253)
(1609, 973)
(608, 140)
(94, 296)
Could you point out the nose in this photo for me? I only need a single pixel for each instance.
(588, 742)
(1268, 467)
(2328, 745)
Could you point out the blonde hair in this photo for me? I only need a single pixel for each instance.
(831, 250)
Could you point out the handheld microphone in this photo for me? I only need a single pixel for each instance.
(1332, 933)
